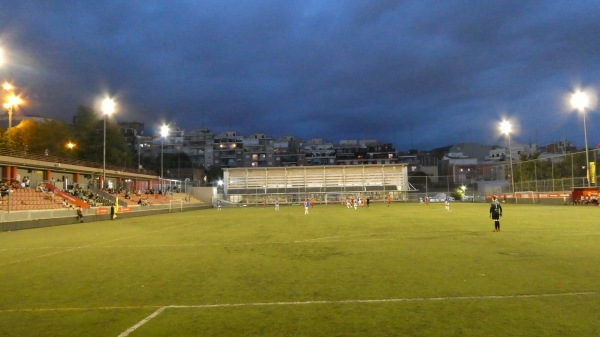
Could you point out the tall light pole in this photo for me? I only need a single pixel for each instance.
(139, 152)
(108, 108)
(140, 156)
(580, 101)
(506, 128)
(164, 132)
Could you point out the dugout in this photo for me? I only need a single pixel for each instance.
(586, 194)
(324, 184)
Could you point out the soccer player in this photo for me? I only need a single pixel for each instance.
(306, 204)
(277, 205)
(389, 200)
(219, 205)
(448, 203)
(79, 214)
(496, 212)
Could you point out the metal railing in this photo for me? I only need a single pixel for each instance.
(4, 151)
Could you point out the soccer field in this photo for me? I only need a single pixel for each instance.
(403, 270)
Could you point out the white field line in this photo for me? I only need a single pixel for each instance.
(142, 322)
(387, 300)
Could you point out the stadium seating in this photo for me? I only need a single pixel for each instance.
(24, 199)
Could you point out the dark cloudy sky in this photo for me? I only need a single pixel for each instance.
(420, 74)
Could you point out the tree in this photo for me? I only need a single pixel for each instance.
(118, 153)
(214, 173)
(37, 137)
(88, 130)
(458, 194)
(85, 126)
(173, 162)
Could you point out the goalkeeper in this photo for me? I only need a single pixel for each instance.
(496, 213)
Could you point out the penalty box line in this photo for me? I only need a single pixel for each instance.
(386, 300)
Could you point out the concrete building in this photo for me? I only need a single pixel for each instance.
(319, 152)
(364, 152)
(258, 151)
(288, 151)
(228, 150)
(198, 145)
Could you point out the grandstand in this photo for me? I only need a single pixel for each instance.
(324, 184)
(39, 190)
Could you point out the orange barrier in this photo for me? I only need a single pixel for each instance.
(71, 199)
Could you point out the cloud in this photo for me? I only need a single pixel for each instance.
(423, 74)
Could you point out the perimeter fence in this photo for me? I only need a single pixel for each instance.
(552, 175)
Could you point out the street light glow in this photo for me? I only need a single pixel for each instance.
(505, 127)
(14, 100)
(7, 86)
(108, 106)
(580, 101)
(164, 131)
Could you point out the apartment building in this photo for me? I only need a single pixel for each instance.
(319, 152)
(258, 151)
(288, 151)
(364, 152)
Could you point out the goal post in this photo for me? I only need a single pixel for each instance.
(176, 205)
(526, 197)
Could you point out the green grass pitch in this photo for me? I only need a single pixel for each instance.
(406, 270)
